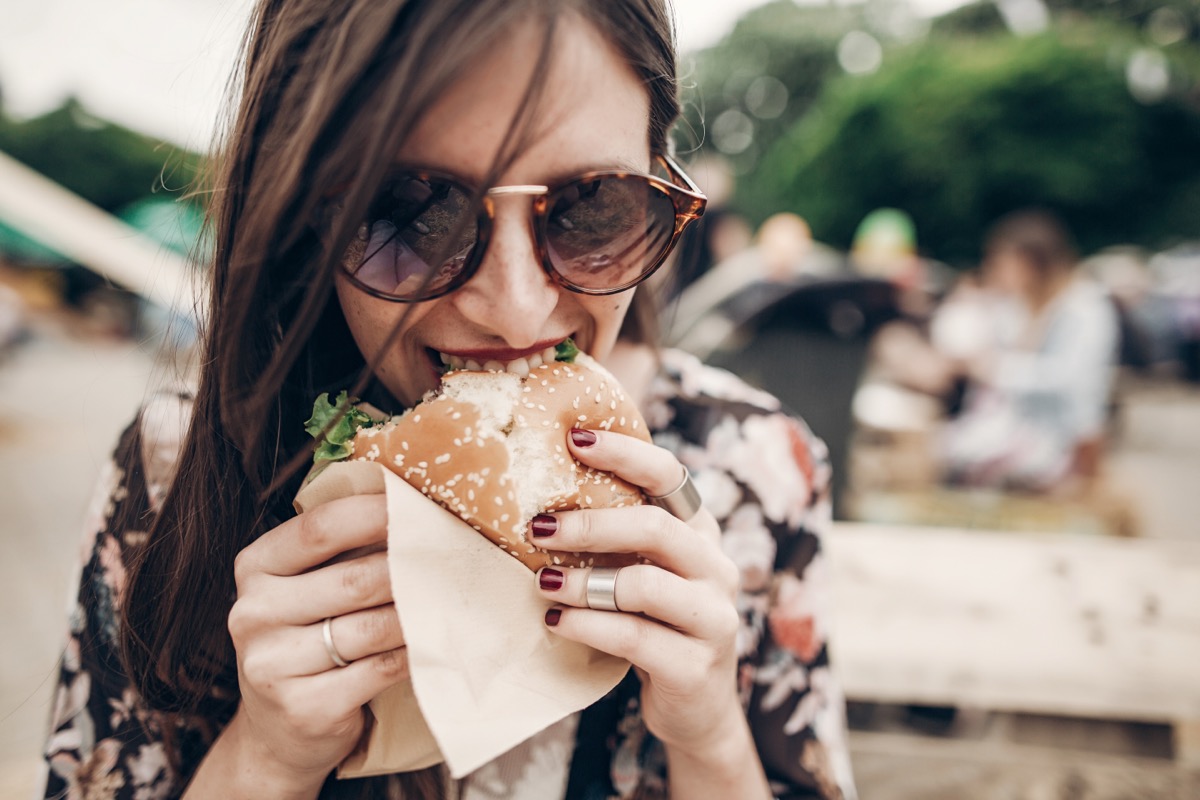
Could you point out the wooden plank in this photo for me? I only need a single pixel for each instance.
(1061, 624)
(890, 766)
(71, 225)
(1187, 741)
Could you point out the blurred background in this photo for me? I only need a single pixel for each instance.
(961, 239)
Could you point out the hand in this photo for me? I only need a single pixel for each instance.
(678, 620)
(304, 712)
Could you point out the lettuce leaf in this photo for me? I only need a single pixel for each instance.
(566, 351)
(334, 436)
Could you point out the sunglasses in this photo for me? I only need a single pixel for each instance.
(599, 233)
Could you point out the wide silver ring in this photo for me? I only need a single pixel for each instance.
(602, 588)
(330, 647)
(683, 502)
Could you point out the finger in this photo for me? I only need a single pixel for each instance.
(331, 591)
(316, 536)
(647, 530)
(689, 606)
(674, 660)
(656, 470)
(346, 688)
(355, 637)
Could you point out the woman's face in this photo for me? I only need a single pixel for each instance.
(594, 114)
(1008, 271)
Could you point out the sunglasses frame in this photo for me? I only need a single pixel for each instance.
(687, 200)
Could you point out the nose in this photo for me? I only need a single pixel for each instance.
(510, 296)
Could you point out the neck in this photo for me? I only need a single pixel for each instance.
(1052, 287)
(634, 366)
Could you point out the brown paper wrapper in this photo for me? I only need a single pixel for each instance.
(485, 673)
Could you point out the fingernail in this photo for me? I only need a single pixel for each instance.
(582, 438)
(552, 616)
(543, 525)
(550, 579)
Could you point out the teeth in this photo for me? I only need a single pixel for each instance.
(519, 366)
(548, 355)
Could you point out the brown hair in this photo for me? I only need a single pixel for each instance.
(328, 91)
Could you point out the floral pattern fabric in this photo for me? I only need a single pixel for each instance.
(761, 473)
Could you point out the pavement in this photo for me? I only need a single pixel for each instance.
(63, 402)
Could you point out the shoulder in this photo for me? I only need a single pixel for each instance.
(162, 425)
(738, 441)
(135, 478)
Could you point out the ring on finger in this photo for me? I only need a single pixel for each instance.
(330, 647)
(601, 588)
(683, 502)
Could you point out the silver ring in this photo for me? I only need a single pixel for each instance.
(683, 502)
(330, 647)
(602, 588)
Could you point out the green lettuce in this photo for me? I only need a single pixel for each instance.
(333, 425)
(566, 351)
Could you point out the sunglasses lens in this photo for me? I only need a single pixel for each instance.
(415, 226)
(606, 233)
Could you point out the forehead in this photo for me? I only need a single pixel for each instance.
(593, 111)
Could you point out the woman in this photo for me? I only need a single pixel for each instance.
(1037, 405)
(198, 657)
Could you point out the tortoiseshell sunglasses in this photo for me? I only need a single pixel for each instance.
(599, 233)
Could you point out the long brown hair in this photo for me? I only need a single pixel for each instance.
(328, 92)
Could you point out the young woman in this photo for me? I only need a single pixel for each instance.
(407, 180)
(1037, 405)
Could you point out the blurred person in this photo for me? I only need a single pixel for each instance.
(398, 189)
(885, 246)
(783, 252)
(1036, 407)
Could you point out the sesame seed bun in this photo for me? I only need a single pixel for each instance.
(491, 448)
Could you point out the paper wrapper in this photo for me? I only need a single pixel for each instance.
(486, 674)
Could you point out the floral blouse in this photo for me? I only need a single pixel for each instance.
(761, 473)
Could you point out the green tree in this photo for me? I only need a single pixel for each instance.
(958, 131)
(778, 46)
(105, 163)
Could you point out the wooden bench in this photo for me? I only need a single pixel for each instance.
(1077, 625)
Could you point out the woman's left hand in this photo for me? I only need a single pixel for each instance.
(678, 621)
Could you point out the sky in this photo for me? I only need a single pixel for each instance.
(160, 66)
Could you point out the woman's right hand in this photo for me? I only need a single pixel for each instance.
(301, 711)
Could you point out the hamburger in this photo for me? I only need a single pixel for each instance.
(490, 447)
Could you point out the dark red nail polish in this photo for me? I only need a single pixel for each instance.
(550, 579)
(543, 525)
(582, 438)
(552, 616)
